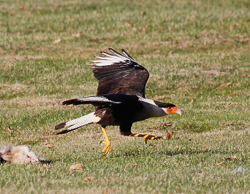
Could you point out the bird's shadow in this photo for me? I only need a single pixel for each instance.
(171, 153)
(192, 151)
(47, 161)
(2, 161)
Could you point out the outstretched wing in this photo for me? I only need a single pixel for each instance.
(107, 99)
(119, 74)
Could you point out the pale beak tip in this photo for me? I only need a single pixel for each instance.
(178, 112)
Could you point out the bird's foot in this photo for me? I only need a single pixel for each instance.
(106, 142)
(152, 137)
(145, 136)
(107, 147)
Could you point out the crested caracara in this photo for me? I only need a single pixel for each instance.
(120, 98)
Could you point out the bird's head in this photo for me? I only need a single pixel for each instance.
(171, 109)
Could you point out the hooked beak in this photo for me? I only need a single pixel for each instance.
(178, 112)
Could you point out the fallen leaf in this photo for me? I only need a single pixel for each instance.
(76, 167)
(77, 35)
(231, 104)
(48, 132)
(232, 158)
(108, 191)
(143, 13)
(220, 163)
(225, 85)
(133, 164)
(234, 94)
(167, 125)
(244, 40)
(128, 24)
(90, 178)
(45, 165)
(222, 56)
(43, 173)
(57, 41)
(9, 130)
(48, 145)
(229, 98)
(192, 101)
(23, 7)
(169, 135)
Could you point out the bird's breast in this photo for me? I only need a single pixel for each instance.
(149, 110)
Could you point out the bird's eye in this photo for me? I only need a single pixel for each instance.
(169, 107)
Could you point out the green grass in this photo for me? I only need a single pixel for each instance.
(197, 53)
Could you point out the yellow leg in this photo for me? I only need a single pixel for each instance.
(145, 136)
(106, 142)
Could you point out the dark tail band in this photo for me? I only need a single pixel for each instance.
(60, 126)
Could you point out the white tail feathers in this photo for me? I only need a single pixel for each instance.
(79, 122)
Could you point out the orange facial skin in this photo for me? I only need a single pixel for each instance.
(172, 110)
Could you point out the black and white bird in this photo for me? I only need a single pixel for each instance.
(120, 98)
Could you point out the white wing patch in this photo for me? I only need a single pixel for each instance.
(147, 100)
(111, 59)
(97, 99)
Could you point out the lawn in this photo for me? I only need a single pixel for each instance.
(198, 56)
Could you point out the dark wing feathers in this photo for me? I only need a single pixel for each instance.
(162, 104)
(125, 53)
(118, 74)
(115, 52)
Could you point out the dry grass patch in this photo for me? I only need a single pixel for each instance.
(12, 90)
(41, 102)
(26, 57)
